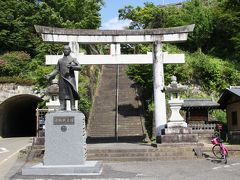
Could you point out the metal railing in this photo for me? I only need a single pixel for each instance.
(40, 119)
(202, 127)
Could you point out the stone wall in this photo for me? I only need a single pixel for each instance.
(8, 90)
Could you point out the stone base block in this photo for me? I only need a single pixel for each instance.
(176, 124)
(179, 130)
(65, 138)
(89, 168)
(39, 141)
(179, 138)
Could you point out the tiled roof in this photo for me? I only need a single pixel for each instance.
(235, 90)
(199, 103)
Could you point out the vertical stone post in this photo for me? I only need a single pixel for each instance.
(75, 51)
(159, 94)
(116, 50)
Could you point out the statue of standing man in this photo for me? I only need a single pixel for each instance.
(67, 82)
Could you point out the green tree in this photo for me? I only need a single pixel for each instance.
(18, 17)
(216, 74)
(22, 49)
(14, 64)
(77, 14)
(216, 32)
(198, 13)
(17, 20)
(225, 39)
(151, 16)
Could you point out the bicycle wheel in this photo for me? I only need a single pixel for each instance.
(217, 151)
(225, 158)
(225, 154)
(226, 151)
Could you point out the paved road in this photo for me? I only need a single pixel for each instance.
(199, 169)
(185, 169)
(9, 148)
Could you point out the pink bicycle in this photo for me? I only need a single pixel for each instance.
(219, 150)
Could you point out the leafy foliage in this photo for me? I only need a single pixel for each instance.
(77, 14)
(216, 74)
(225, 39)
(22, 49)
(88, 81)
(17, 20)
(220, 115)
(141, 74)
(216, 24)
(17, 80)
(212, 50)
(14, 64)
(212, 74)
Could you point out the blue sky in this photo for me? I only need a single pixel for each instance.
(109, 12)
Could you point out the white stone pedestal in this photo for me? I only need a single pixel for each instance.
(65, 138)
(177, 130)
(176, 120)
(65, 147)
(53, 105)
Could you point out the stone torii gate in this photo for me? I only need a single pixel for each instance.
(116, 37)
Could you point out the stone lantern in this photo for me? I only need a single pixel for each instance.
(52, 92)
(175, 102)
(177, 130)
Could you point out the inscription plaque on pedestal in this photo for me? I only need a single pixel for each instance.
(67, 120)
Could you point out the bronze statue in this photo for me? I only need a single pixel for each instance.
(67, 83)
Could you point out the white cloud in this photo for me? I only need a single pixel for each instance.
(115, 23)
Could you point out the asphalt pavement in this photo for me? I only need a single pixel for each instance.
(197, 169)
(9, 148)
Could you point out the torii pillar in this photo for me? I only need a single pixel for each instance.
(160, 114)
(116, 37)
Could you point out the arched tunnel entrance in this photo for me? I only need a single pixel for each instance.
(18, 116)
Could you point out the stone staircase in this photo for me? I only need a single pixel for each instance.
(103, 126)
(123, 152)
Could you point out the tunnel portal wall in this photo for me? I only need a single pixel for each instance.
(18, 116)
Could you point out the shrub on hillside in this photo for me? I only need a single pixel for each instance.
(14, 63)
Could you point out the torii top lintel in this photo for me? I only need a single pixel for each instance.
(92, 36)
